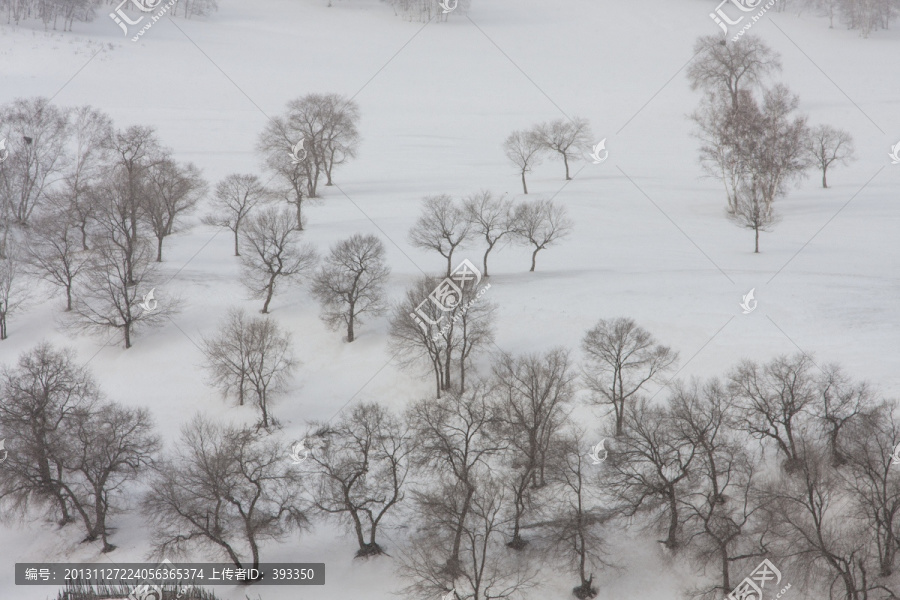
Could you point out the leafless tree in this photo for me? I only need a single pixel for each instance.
(39, 398)
(751, 211)
(234, 198)
(250, 355)
(622, 357)
(823, 543)
(524, 148)
(565, 137)
(871, 482)
(723, 524)
(650, 471)
(225, 489)
(841, 404)
(113, 445)
(453, 440)
(174, 191)
(827, 145)
(276, 144)
(116, 280)
(350, 282)
(775, 401)
(271, 254)
(13, 291)
(441, 227)
(541, 224)
(533, 396)
(573, 528)
(360, 472)
(55, 253)
(489, 217)
(484, 571)
(731, 67)
(37, 132)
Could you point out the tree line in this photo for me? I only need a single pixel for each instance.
(782, 459)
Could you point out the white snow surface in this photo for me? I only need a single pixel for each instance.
(650, 242)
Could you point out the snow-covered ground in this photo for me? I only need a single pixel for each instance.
(650, 240)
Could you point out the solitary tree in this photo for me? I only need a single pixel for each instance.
(360, 471)
(751, 211)
(523, 148)
(350, 283)
(234, 198)
(827, 145)
(55, 253)
(226, 489)
(250, 356)
(441, 227)
(541, 224)
(565, 137)
(491, 218)
(621, 358)
(271, 253)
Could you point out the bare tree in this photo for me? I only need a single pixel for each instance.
(441, 227)
(524, 148)
(174, 191)
(360, 471)
(13, 290)
(413, 340)
(723, 513)
(621, 358)
(650, 470)
(751, 211)
(489, 217)
(841, 405)
(39, 398)
(250, 355)
(225, 489)
(276, 144)
(567, 137)
(109, 295)
(350, 283)
(573, 528)
(533, 396)
(453, 440)
(37, 132)
(731, 67)
(827, 145)
(55, 253)
(541, 223)
(775, 401)
(234, 198)
(271, 253)
(113, 445)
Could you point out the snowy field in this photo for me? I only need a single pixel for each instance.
(650, 238)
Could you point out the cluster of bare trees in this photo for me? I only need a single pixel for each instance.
(65, 12)
(757, 147)
(863, 15)
(568, 138)
(71, 453)
(86, 208)
(428, 10)
(316, 133)
(446, 225)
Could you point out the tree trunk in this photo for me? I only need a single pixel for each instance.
(270, 291)
(159, 241)
(566, 161)
(484, 261)
(351, 318)
(824, 181)
(127, 335)
(534, 258)
(237, 252)
(756, 231)
(69, 297)
(524, 186)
